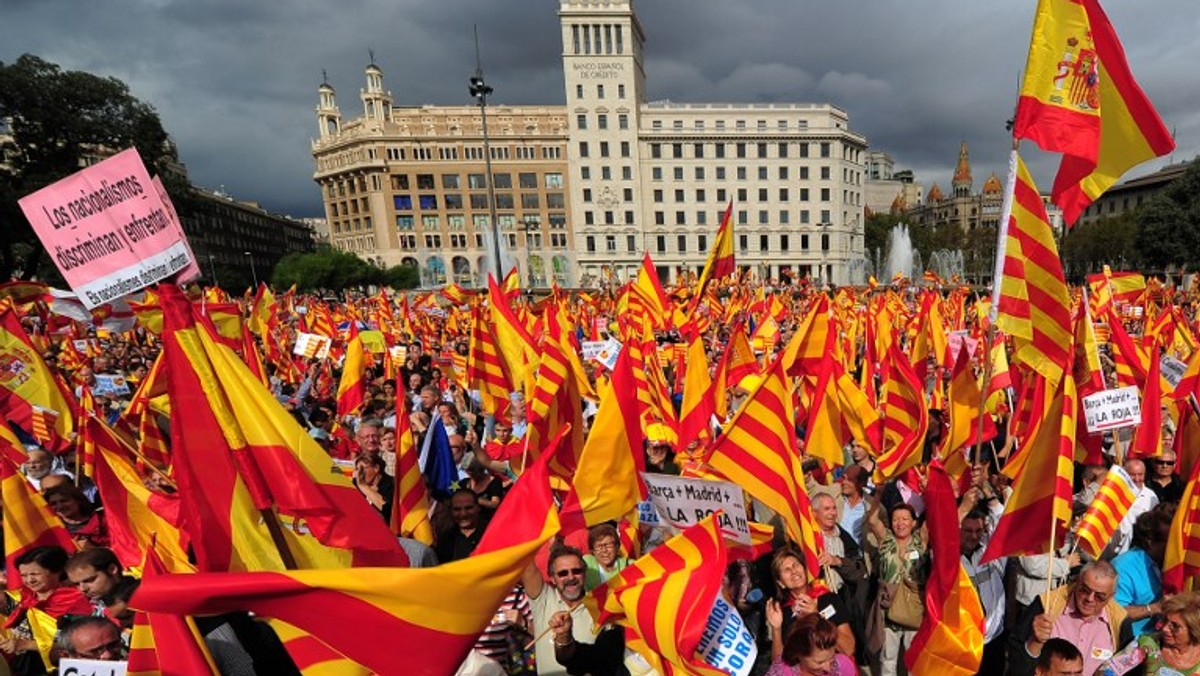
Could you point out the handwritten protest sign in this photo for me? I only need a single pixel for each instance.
(591, 348)
(1112, 409)
(686, 502)
(726, 642)
(107, 230)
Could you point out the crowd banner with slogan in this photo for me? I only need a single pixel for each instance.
(1112, 409)
(70, 666)
(726, 643)
(107, 230)
(686, 502)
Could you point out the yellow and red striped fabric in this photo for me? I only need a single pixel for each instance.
(164, 644)
(430, 618)
(1111, 504)
(1033, 305)
(410, 505)
(683, 574)
(137, 517)
(352, 388)
(950, 639)
(1181, 563)
(697, 408)
(28, 521)
(1147, 439)
(905, 418)
(486, 369)
(311, 656)
(720, 262)
(1042, 471)
(758, 451)
(556, 400)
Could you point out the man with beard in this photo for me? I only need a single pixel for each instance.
(563, 594)
(458, 541)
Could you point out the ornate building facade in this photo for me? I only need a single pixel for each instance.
(584, 189)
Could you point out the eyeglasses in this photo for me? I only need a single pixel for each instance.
(1164, 463)
(1086, 592)
(568, 572)
(605, 545)
(114, 647)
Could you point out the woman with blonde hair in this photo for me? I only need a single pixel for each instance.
(1172, 650)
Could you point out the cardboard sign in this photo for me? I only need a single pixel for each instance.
(590, 348)
(685, 502)
(312, 346)
(107, 230)
(399, 353)
(69, 666)
(109, 385)
(1112, 409)
(607, 356)
(373, 341)
(726, 642)
(1172, 370)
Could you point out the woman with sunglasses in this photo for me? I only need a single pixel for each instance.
(1174, 649)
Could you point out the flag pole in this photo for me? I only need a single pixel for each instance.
(1053, 551)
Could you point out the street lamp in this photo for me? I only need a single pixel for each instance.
(212, 266)
(529, 225)
(480, 90)
(252, 270)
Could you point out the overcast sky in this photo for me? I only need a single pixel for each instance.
(235, 80)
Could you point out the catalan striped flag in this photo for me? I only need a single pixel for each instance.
(1109, 288)
(30, 395)
(1129, 360)
(514, 344)
(720, 262)
(811, 341)
(646, 290)
(556, 401)
(28, 521)
(163, 644)
(905, 418)
(1110, 506)
(684, 574)
(950, 639)
(1031, 296)
(964, 403)
(759, 452)
(352, 388)
(430, 618)
(410, 505)
(1181, 563)
(1042, 470)
(486, 369)
(1094, 113)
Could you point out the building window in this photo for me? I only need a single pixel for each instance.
(404, 222)
(585, 173)
(824, 242)
(430, 223)
(627, 194)
(762, 173)
(804, 242)
(682, 243)
(433, 241)
(678, 173)
(605, 173)
(680, 218)
(624, 148)
(604, 149)
(702, 243)
(401, 202)
(700, 196)
(657, 195)
(449, 181)
(764, 242)
(578, 88)
(627, 174)
(660, 218)
(803, 150)
(583, 149)
(590, 243)
(824, 173)
(699, 173)
(631, 242)
(678, 195)
(698, 149)
(719, 149)
(741, 150)
(743, 243)
(783, 173)
(622, 121)
(783, 147)
(602, 120)
(453, 202)
(587, 194)
(530, 200)
(763, 218)
(825, 148)
(610, 242)
(628, 218)
(741, 173)
(600, 94)
(620, 87)
(660, 243)
(783, 242)
(477, 181)
(656, 151)
(555, 200)
(824, 194)
(762, 195)
(803, 173)
(656, 173)
(527, 180)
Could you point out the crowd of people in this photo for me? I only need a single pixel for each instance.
(1064, 612)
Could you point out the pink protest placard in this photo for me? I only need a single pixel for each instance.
(192, 271)
(107, 230)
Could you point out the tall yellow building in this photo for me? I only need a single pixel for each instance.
(584, 189)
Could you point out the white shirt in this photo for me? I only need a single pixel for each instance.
(1145, 501)
(989, 579)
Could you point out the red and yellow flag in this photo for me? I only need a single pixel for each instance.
(1033, 303)
(163, 644)
(758, 451)
(905, 418)
(410, 505)
(684, 574)
(29, 390)
(430, 617)
(28, 521)
(950, 640)
(1104, 515)
(352, 388)
(1181, 563)
(720, 262)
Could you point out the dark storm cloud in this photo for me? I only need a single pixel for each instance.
(235, 81)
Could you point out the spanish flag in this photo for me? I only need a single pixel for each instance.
(29, 390)
(720, 261)
(28, 521)
(429, 617)
(664, 598)
(1091, 110)
(950, 640)
(352, 388)
(164, 644)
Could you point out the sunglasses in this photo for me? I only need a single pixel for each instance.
(1164, 463)
(1085, 591)
(568, 572)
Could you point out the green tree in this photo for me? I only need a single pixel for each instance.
(56, 120)
(1108, 241)
(331, 269)
(402, 277)
(1169, 224)
(876, 229)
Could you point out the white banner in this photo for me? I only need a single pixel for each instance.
(1172, 370)
(69, 666)
(312, 346)
(1112, 409)
(110, 384)
(590, 348)
(686, 502)
(726, 643)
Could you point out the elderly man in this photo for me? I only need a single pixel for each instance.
(94, 638)
(563, 594)
(1165, 483)
(1083, 613)
(39, 464)
(368, 437)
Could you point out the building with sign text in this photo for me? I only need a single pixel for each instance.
(584, 189)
